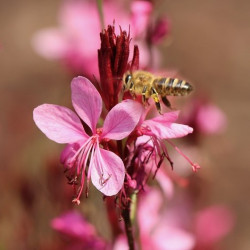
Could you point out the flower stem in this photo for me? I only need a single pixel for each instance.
(100, 10)
(128, 226)
(133, 207)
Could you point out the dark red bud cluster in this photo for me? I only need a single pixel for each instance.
(113, 63)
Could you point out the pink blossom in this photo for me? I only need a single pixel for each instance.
(156, 230)
(212, 224)
(163, 127)
(76, 39)
(141, 11)
(148, 153)
(176, 226)
(82, 233)
(210, 119)
(161, 29)
(62, 125)
(206, 117)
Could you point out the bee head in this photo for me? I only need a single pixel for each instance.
(127, 77)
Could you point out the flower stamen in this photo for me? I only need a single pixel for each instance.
(195, 166)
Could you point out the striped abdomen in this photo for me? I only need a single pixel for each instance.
(172, 86)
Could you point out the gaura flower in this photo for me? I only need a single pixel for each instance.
(162, 128)
(76, 39)
(83, 234)
(83, 152)
(147, 154)
(156, 228)
(204, 116)
(212, 224)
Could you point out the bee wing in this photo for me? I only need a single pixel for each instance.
(172, 73)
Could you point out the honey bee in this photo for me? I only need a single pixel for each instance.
(148, 85)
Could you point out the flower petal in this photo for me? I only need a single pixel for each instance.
(173, 238)
(165, 183)
(108, 172)
(121, 120)
(58, 123)
(50, 43)
(86, 101)
(68, 153)
(167, 117)
(213, 223)
(164, 128)
(73, 224)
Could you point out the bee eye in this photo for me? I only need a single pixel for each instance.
(127, 79)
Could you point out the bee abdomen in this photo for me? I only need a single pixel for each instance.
(176, 87)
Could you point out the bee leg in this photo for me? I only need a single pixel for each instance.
(166, 102)
(144, 99)
(131, 90)
(155, 96)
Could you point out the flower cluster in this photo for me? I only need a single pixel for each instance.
(75, 40)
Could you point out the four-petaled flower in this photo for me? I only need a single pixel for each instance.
(163, 127)
(83, 153)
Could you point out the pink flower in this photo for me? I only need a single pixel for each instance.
(149, 151)
(82, 233)
(157, 230)
(162, 128)
(212, 224)
(204, 116)
(62, 125)
(141, 12)
(77, 38)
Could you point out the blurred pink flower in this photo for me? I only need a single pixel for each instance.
(174, 226)
(140, 18)
(76, 40)
(62, 125)
(204, 116)
(156, 230)
(211, 225)
(83, 234)
(210, 119)
(160, 31)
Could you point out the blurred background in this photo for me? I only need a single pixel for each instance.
(209, 44)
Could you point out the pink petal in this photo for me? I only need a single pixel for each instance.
(86, 101)
(165, 183)
(160, 31)
(58, 123)
(148, 210)
(121, 243)
(167, 130)
(141, 11)
(144, 139)
(121, 120)
(50, 43)
(108, 172)
(167, 117)
(213, 223)
(210, 119)
(68, 154)
(173, 238)
(74, 225)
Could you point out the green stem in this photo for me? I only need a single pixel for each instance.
(133, 207)
(100, 11)
(128, 226)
